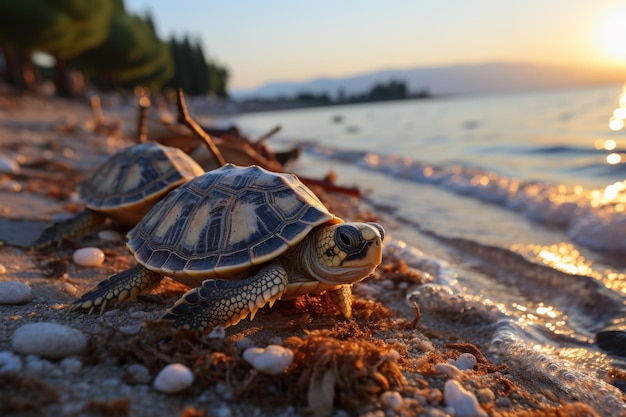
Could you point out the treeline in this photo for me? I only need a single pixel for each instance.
(104, 45)
(393, 90)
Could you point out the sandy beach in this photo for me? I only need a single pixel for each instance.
(392, 358)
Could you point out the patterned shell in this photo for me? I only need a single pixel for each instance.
(136, 174)
(224, 221)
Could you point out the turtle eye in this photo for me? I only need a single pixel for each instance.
(347, 238)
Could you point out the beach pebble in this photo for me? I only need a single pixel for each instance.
(464, 362)
(271, 360)
(218, 332)
(463, 402)
(9, 165)
(48, 340)
(110, 236)
(71, 365)
(447, 369)
(173, 378)
(138, 374)
(392, 400)
(3, 269)
(14, 292)
(9, 361)
(89, 257)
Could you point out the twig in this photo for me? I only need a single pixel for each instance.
(267, 135)
(96, 110)
(184, 118)
(142, 121)
(418, 315)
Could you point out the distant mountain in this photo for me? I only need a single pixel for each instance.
(460, 79)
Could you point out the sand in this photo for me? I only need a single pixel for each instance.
(390, 359)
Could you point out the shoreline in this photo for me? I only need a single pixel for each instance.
(56, 147)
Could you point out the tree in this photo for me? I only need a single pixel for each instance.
(62, 28)
(132, 53)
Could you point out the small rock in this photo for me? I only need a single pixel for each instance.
(447, 369)
(272, 360)
(9, 361)
(463, 402)
(392, 400)
(48, 340)
(71, 365)
(464, 362)
(89, 257)
(110, 236)
(9, 165)
(3, 269)
(173, 378)
(14, 292)
(137, 374)
(218, 332)
(244, 343)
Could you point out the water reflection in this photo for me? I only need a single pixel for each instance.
(616, 121)
(566, 258)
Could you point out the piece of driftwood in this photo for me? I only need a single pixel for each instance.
(185, 118)
(142, 120)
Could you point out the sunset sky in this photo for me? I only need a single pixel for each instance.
(274, 40)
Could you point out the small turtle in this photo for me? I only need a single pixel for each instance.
(124, 188)
(242, 238)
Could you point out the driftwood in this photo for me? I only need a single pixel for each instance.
(184, 118)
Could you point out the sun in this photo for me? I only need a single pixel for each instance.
(612, 35)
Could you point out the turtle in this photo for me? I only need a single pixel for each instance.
(124, 188)
(241, 238)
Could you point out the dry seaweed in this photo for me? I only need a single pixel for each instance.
(20, 393)
(348, 372)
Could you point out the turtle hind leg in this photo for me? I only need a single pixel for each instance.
(79, 225)
(117, 288)
(221, 302)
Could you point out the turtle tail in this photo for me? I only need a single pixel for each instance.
(79, 225)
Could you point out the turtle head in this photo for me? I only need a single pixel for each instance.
(348, 252)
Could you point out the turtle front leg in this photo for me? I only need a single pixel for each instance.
(220, 302)
(79, 225)
(117, 288)
(342, 298)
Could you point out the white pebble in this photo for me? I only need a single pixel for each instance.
(109, 236)
(218, 332)
(272, 360)
(9, 165)
(392, 400)
(9, 361)
(49, 340)
(447, 369)
(173, 378)
(71, 365)
(89, 257)
(11, 186)
(244, 343)
(14, 292)
(464, 362)
(463, 402)
(138, 374)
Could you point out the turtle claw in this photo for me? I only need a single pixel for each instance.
(117, 288)
(226, 303)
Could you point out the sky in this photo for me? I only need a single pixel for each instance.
(280, 40)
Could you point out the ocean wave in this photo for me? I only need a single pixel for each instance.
(523, 345)
(593, 217)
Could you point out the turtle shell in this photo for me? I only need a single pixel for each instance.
(222, 222)
(126, 186)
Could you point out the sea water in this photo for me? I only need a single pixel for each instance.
(514, 203)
